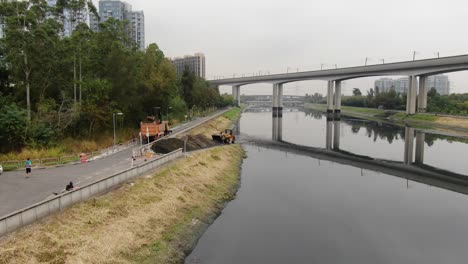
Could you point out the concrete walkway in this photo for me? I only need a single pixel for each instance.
(17, 192)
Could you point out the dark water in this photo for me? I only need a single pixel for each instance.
(297, 209)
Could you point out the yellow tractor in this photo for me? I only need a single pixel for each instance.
(225, 137)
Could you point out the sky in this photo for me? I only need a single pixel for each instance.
(272, 36)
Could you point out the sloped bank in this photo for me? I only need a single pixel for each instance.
(156, 219)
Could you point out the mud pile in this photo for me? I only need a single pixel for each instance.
(193, 143)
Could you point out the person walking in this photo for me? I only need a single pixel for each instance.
(28, 167)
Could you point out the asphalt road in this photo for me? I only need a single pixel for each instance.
(17, 192)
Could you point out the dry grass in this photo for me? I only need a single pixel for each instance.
(214, 126)
(69, 146)
(144, 222)
(453, 122)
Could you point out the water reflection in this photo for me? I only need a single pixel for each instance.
(411, 153)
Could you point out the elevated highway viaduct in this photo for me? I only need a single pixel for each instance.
(417, 71)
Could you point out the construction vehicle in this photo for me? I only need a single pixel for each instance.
(225, 137)
(154, 129)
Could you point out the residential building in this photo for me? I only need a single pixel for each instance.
(71, 19)
(195, 64)
(383, 85)
(2, 29)
(440, 82)
(137, 28)
(401, 85)
(122, 11)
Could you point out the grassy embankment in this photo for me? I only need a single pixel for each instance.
(71, 146)
(417, 120)
(154, 220)
(217, 125)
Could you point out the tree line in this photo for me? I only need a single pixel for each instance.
(53, 86)
(454, 104)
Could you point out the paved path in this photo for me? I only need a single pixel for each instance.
(17, 192)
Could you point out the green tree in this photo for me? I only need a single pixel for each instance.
(357, 92)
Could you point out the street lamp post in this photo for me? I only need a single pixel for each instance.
(167, 113)
(157, 108)
(113, 119)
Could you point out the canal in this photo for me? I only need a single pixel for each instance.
(294, 208)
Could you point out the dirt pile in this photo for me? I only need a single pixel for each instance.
(195, 142)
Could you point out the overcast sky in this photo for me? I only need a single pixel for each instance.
(247, 36)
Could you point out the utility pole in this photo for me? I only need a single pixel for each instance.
(365, 64)
(414, 55)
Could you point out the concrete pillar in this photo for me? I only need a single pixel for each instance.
(336, 134)
(422, 96)
(330, 97)
(337, 97)
(277, 100)
(236, 94)
(277, 126)
(420, 137)
(409, 145)
(329, 136)
(411, 95)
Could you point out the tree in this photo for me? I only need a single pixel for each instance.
(357, 92)
(30, 38)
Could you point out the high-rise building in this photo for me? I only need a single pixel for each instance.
(401, 85)
(71, 19)
(195, 64)
(137, 28)
(383, 85)
(440, 82)
(122, 11)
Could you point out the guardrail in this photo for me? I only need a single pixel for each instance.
(51, 161)
(29, 215)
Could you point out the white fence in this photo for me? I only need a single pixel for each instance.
(37, 211)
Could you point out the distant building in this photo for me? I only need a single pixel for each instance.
(440, 82)
(195, 64)
(122, 11)
(383, 85)
(70, 19)
(137, 28)
(2, 29)
(401, 85)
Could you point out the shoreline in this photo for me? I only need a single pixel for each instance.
(427, 122)
(160, 216)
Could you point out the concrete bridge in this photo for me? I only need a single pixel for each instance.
(417, 71)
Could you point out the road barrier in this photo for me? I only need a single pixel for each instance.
(47, 207)
(11, 164)
(17, 164)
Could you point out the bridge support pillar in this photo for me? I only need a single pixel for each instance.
(236, 94)
(422, 96)
(411, 95)
(336, 134)
(277, 112)
(330, 97)
(329, 136)
(337, 97)
(409, 145)
(420, 137)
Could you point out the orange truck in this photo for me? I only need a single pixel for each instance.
(154, 129)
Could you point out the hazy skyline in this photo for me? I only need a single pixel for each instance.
(244, 37)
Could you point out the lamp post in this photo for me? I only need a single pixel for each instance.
(167, 113)
(113, 119)
(157, 108)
